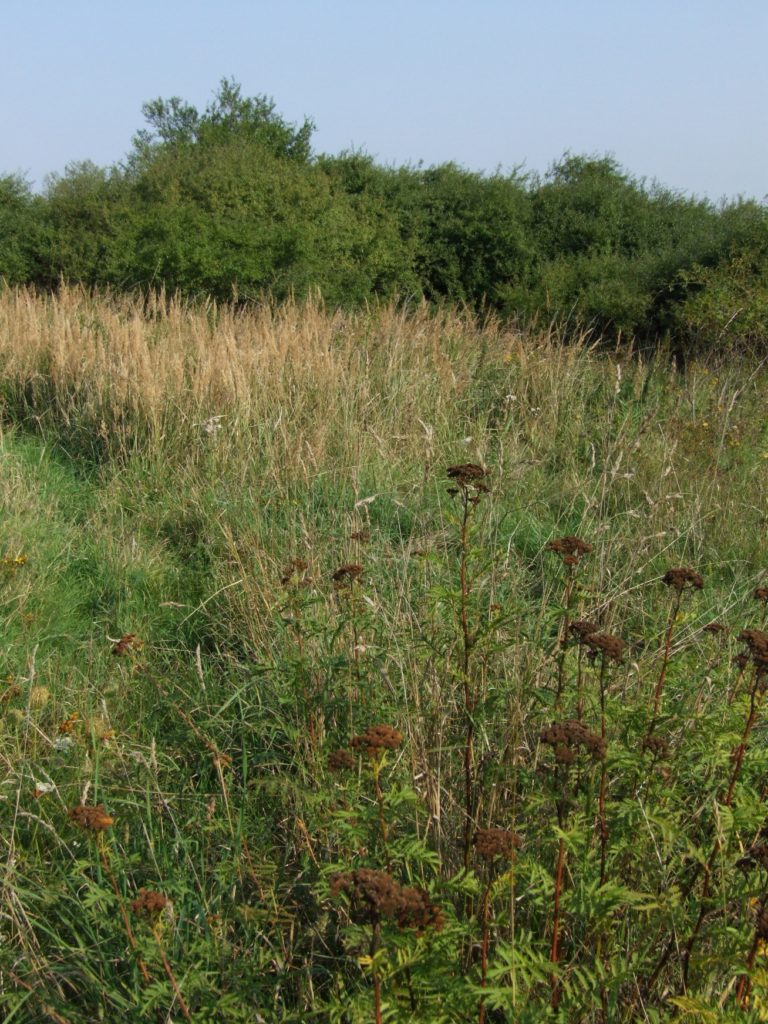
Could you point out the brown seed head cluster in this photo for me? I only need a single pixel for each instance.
(340, 760)
(93, 819)
(467, 474)
(496, 842)
(149, 903)
(295, 570)
(377, 738)
(655, 745)
(566, 738)
(756, 856)
(361, 536)
(714, 627)
(126, 645)
(761, 594)
(682, 578)
(571, 549)
(757, 643)
(605, 643)
(582, 628)
(376, 896)
(346, 575)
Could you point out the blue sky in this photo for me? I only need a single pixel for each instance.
(677, 91)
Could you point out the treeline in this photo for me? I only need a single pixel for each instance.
(232, 202)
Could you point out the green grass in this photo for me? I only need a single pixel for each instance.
(207, 740)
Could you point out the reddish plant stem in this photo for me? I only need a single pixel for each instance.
(563, 638)
(603, 777)
(555, 950)
(665, 661)
(484, 951)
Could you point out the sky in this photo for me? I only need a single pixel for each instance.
(675, 90)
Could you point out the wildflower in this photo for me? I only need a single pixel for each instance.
(377, 738)
(339, 760)
(682, 578)
(94, 819)
(496, 842)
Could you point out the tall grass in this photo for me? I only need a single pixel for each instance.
(230, 553)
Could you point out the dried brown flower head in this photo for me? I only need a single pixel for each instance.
(377, 738)
(467, 474)
(655, 745)
(294, 570)
(361, 536)
(340, 760)
(741, 661)
(757, 643)
(419, 911)
(569, 547)
(346, 575)
(761, 594)
(611, 646)
(126, 645)
(714, 627)
(682, 578)
(376, 896)
(582, 628)
(94, 819)
(149, 903)
(755, 856)
(496, 842)
(571, 735)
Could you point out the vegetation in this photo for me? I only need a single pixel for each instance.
(375, 665)
(232, 203)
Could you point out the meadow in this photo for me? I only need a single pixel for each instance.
(379, 665)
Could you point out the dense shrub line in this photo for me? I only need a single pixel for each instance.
(232, 202)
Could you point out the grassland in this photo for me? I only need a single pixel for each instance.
(198, 823)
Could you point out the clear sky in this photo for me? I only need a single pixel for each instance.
(675, 90)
